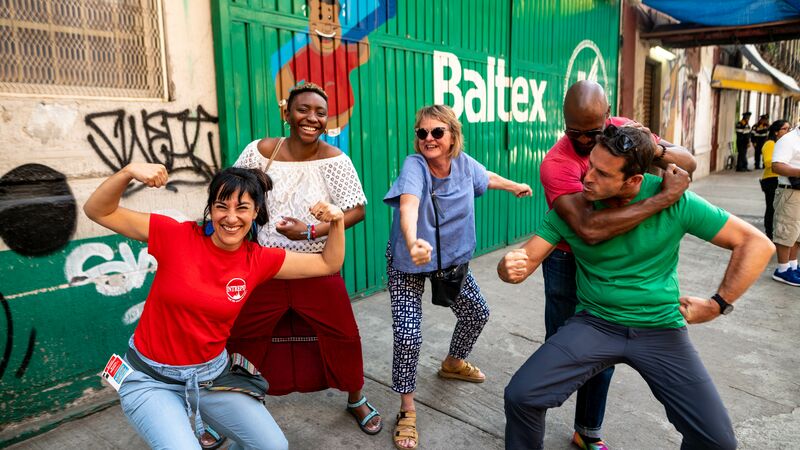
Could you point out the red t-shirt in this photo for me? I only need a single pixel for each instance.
(331, 72)
(197, 292)
(563, 169)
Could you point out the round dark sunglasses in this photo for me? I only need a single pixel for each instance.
(437, 133)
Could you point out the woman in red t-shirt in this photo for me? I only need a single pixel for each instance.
(205, 274)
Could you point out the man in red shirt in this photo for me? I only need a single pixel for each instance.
(586, 114)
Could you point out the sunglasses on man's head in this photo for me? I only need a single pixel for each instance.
(576, 134)
(621, 142)
(437, 133)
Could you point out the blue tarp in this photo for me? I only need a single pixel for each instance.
(729, 12)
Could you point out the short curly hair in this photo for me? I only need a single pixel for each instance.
(303, 88)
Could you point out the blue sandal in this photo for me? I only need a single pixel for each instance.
(219, 439)
(362, 423)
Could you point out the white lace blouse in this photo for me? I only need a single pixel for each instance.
(296, 186)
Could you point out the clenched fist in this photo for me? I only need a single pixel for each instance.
(513, 268)
(420, 251)
(326, 212)
(153, 175)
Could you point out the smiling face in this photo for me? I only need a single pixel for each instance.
(307, 116)
(232, 219)
(324, 29)
(605, 178)
(431, 148)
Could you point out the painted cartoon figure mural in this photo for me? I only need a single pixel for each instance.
(335, 45)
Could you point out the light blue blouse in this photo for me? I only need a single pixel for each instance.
(455, 194)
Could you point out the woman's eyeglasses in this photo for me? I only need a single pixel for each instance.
(621, 142)
(437, 133)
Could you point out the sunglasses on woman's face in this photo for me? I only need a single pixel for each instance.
(437, 133)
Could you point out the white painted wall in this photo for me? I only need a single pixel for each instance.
(53, 132)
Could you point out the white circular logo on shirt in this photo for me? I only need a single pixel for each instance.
(236, 289)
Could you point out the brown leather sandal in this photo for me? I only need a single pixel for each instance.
(406, 428)
(467, 372)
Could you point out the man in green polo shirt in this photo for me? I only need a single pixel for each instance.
(631, 310)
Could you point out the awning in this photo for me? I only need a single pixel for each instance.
(731, 22)
(726, 77)
(785, 80)
(729, 12)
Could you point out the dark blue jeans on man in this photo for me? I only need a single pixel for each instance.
(585, 346)
(560, 301)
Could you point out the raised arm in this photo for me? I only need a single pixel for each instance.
(305, 265)
(518, 189)
(103, 205)
(751, 251)
(594, 226)
(419, 249)
(674, 154)
(519, 264)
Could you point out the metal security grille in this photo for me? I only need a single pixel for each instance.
(82, 48)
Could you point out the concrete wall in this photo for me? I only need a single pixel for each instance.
(71, 293)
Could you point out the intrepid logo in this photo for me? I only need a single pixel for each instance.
(489, 91)
(236, 290)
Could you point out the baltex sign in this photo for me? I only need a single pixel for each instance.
(490, 91)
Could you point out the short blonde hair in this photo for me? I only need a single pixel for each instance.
(445, 114)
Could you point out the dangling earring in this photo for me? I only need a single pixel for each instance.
(208, 229)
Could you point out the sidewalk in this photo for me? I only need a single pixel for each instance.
(751, 354)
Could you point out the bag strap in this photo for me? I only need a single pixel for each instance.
(436, 220)
(136, 362)
(274, 152)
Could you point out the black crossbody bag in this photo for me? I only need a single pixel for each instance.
(446, 283)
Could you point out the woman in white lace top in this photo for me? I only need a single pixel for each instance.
(303, 335)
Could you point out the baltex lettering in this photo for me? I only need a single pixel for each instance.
(490, 91)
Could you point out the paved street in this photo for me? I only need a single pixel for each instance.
(751, 354)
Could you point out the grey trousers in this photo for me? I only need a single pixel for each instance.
(585, 346)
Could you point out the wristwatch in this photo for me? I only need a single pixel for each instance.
(724, 307)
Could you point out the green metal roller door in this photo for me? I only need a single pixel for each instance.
(503, 65)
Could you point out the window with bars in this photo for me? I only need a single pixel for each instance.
(82, 48)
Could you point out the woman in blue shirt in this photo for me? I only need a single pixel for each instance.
(439, 166)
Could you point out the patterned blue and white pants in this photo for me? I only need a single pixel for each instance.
(405, 291)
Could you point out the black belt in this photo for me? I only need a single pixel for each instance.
(788, 186)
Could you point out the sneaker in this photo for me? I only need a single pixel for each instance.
(790, 277)
(578, 441)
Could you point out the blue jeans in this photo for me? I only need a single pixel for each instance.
(560, 301)
(157, 411)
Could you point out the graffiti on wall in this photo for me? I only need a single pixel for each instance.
(9, 343)
(680, 97)
(37, 210)
(182, 141)
(326, 56)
